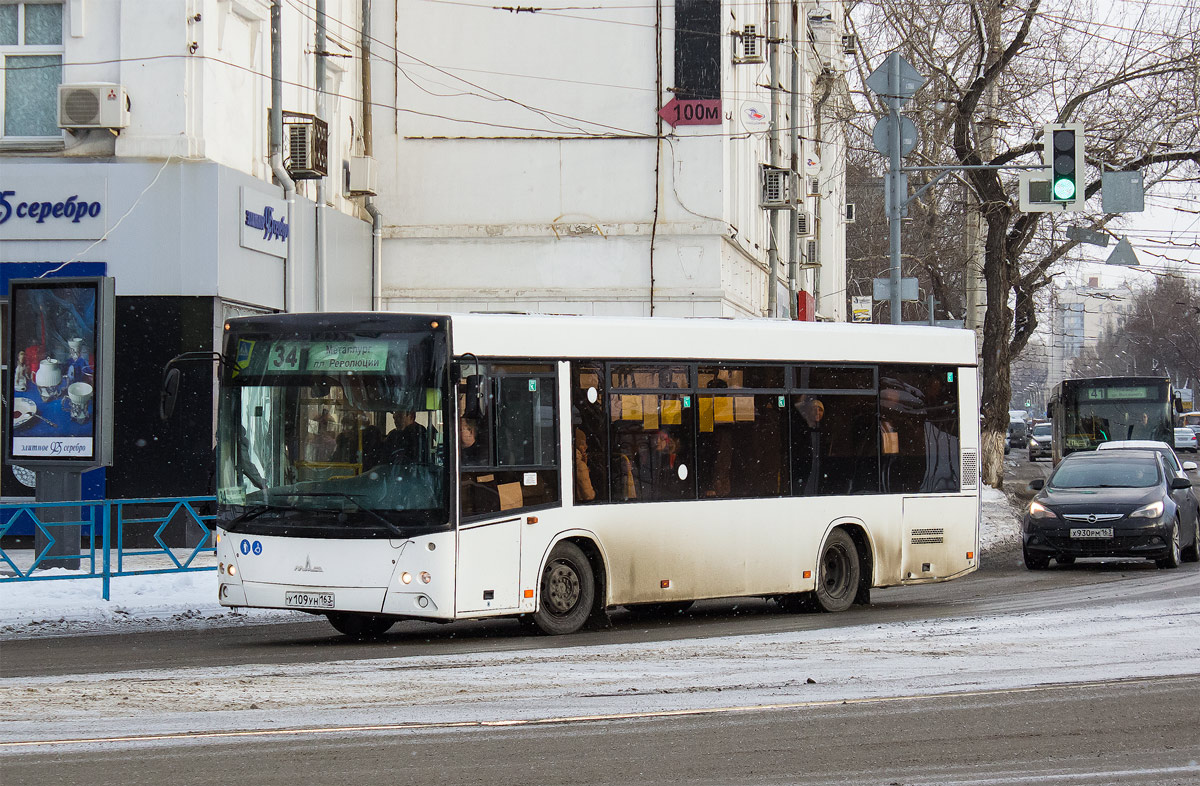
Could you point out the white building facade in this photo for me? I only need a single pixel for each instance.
(154, 113)
(527, 167)
(515, 160)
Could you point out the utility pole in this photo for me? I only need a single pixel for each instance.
(794, 104)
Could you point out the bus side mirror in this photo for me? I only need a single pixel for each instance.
(168, 394)
(169, 391)
(475, 392)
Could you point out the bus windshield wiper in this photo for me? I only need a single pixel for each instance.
(250, 513)
(390, 526)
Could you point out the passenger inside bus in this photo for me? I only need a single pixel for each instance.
(408, 442)
(474, 452)
(808, 444)
(584, 491)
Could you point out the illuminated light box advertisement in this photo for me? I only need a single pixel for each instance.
(56, 387)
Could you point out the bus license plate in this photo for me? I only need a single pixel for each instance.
(308, 600)
(1092, 533)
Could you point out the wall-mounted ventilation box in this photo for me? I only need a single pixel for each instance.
(307, 146)
(849, 44)
(362, 177)
(851, 212)
(780, 188)
(93, 105)
(748, 45)
(804, 223)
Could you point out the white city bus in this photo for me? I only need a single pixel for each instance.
(375, 467)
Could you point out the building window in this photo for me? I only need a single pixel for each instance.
(31, 52)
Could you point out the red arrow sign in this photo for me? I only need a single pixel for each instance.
(692, 112)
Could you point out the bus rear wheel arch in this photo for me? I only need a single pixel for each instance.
(844, 569)
(839, 573)
(567, 591)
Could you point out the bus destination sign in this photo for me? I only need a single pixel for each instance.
(1119, 394)
(327, 356)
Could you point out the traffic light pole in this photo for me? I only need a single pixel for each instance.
(897, 202)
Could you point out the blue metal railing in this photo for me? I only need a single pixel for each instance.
(105, 526)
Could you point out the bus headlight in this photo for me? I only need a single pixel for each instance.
(232, 569)
(406, 577)
(425, 577)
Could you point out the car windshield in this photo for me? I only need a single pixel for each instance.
(1092, 474)
(1042, 432)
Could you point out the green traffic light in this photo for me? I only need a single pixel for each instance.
(1064, 188)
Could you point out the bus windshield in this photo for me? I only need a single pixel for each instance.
(333, 434)
(1102, 411)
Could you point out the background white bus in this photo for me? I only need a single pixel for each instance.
(381, 466)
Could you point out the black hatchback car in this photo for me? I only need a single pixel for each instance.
(1111, 504)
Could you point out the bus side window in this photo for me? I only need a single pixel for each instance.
(920, 403)
(589, 430)
(508, 454)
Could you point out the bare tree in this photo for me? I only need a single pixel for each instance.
(997, 73)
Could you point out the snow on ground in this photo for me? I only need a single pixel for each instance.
(188, 600)
(1091, 633)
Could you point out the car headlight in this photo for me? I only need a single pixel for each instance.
(1039, 511)
(1151, 511)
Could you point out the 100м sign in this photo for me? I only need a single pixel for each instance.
(692, 112)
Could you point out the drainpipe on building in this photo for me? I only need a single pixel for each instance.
(793, 238)
(368, 150)
(319, 217)
(285, 180)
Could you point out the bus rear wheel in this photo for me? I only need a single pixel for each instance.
(358, 625)
(838, 573)
(567, 592)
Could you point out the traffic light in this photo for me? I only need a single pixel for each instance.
(1064, 154)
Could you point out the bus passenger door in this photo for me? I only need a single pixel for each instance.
(489, 565)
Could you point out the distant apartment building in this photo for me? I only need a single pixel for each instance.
(1079, 316)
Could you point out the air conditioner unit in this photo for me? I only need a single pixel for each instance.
(307, 155)
(849, 44)
(810, 252)
(780, 188)
(362, 177)
(93, 105)
(851, 209)
(814, 186)
(804, 223)
(748, 45)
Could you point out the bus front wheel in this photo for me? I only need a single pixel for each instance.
(360, 626)
(568, 591)
(838, 573)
